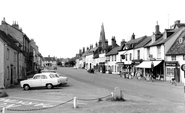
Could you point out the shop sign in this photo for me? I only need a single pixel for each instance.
(171, 64)
(183, 67)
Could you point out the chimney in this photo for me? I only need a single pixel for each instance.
(133, 37)
(3, 21)
(96, 44)
(48, 55)
(157, 29)
(177, 22)
(80, 51)
(83, 49)
(123, 42)
(113, 42)
(106, 43)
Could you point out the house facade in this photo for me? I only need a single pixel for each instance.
(175, 58)
(9, 61)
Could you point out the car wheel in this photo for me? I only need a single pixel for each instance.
(49, 86)
(26, 87)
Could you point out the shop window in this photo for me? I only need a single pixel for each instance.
(170, 71)
(173, 58)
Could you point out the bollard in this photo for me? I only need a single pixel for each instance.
(112, 94)
(3, 110)
(75, 102)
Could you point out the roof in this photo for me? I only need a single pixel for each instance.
(135, 40)
(144, 42)
(9, 40)
(162, 39)
(49, 59)
(114, 51)
(178, 48)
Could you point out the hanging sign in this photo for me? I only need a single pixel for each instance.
(183, 67)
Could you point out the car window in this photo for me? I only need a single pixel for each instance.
(43, 77)
(57, 75)
(37, 77)
(52, 75)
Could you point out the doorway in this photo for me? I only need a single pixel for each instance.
(11, 75)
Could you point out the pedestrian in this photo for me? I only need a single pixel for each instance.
(173, 81)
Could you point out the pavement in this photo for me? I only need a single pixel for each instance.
(156, 82)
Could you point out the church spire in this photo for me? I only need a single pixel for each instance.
(102, 37)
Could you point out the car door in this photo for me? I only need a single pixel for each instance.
(36, 81)
(44, 80)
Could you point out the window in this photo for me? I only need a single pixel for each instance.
(148, 52)
(126, 57)
(170, 71)
(52, 75)
(158, 52)
(8, 72)
(138, 54)
(115, 57)
(43, 77)
(37, 77)
(130, 56)
(8, 53)
(173, 58)
(183, 57)
(15, 56)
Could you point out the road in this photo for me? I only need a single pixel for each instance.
(140, 96)
(134, 87)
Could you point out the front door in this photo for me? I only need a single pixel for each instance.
(11, 75)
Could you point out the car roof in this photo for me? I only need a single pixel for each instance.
(47, 74)
(48, 71)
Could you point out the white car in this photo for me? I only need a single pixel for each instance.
(63, 79)
(48, 80)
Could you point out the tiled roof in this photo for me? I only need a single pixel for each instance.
(144, 42)
(114, 51)
(178, 48)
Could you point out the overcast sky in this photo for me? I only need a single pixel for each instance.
(61, 27)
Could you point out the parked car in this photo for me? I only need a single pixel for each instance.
(63, 79)
(48, 80)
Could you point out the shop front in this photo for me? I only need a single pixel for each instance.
(172, 70)
(102, 67)
(150, 68)
(136, 63)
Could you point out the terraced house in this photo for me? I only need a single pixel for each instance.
(17, 52)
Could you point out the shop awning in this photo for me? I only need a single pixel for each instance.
(147, 64)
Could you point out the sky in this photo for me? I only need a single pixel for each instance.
(61, 27)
